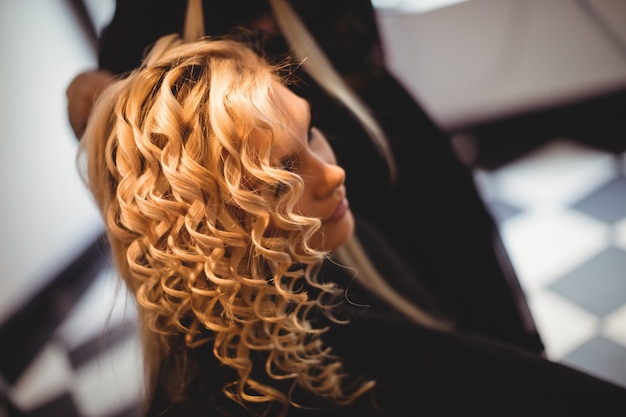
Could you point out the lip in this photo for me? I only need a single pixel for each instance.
(340, 211)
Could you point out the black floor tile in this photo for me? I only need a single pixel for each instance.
(599, 285)
(135, 410)
(92, 348)
(602, 358)
(43, 313)
(502, 211)
(608, 203)
(62, 406)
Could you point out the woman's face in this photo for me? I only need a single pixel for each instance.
(308, 154)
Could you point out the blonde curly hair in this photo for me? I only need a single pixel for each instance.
(202, 224)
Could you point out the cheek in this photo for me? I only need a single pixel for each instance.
(306, 204)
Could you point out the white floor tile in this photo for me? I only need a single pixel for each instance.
(545, 244)
(106, 302)
(48, 376)
(614, 327)
(562, 324)
(486, 183)
(619, 234)
(111, 382)
(556, 174)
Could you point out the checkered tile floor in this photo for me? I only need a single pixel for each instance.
(562, 215)
(91, 365)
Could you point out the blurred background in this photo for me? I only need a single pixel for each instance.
(532, 92)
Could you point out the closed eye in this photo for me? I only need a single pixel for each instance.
(313, 116)
(280, 188)
(287, 164)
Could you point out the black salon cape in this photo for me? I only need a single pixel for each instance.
(419, 371)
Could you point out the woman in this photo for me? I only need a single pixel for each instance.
(229, 222)
(432, 187)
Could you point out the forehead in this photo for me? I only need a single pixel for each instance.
(297, 111)
(295, 107)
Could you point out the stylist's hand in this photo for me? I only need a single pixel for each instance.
(81, 94)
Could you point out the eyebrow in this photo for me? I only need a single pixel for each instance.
(285, 159)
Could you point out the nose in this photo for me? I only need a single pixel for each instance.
(328, 180)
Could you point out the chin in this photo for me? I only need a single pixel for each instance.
(337, 233)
